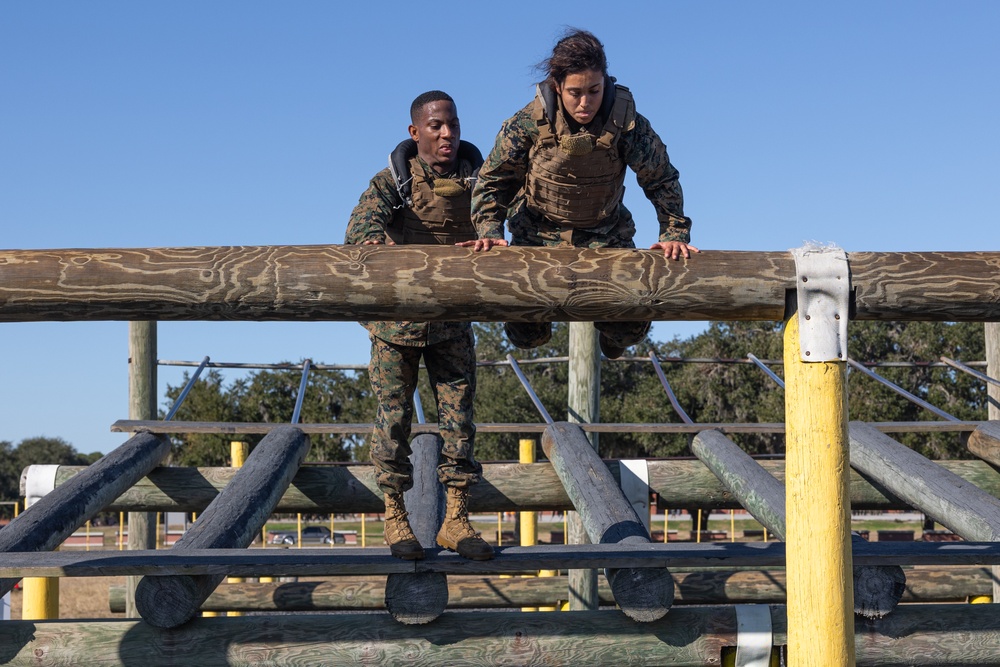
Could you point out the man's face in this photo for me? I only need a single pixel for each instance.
(437, 133)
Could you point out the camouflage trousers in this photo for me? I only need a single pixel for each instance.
(527, 228)
(451, 369)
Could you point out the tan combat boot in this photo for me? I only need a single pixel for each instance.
(457, 533)
(398, 534)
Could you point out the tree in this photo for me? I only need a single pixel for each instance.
(32, 451)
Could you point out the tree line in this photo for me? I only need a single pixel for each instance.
(630, 393)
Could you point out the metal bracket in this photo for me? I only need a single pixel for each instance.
(823, 286)
(635, 486)
(753, 635)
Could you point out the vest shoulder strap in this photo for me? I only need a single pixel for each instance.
(399, 165)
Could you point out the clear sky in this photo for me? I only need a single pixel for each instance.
(872, 125)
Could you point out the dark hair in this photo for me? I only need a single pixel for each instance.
(577, 51)
(423, 99)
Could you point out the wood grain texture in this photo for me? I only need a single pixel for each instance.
(918, 636)
(951, 501)
(506, 487)
(232, 520)
(57, 514)
(445, 283)
(984, 442)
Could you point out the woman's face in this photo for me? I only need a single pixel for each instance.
(582, 94)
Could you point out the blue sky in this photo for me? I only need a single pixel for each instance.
(872, 125)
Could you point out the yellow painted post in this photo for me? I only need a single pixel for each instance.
(40, 600)
(698, 528)
(818, 514)
(121, 531)
(363, 536)
(499, 529)
(87, 534)
(298, 524)
(732, 525)
(529, 523)
(239, 451)
(981, 599)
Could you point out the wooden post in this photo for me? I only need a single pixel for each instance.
(993, 369)
(584, 403)
(608, 517)
(54, 516)
(232, 520)
(877, 588)
(820, 596)
(415, 598)
(141, 405)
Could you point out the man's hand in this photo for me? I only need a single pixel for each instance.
(675, 249)
(483, 244)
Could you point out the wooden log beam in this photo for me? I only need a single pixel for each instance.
(506, 487)
(319, 562)
(608, 518)
(877, 589)
(57, 514)
(917, 635)
(956, 584)
(232, 520)
(414, 598)
(964, 509)
(984, 442)
(446, 283)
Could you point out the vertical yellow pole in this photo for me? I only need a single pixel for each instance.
(363, 536)
(818, 552)
(40, 600)
(238, 451)
(121, 531)
(698, 538)
(298, 523)
(499, 529)
(666, 531)
(87, 533)
(732, 525)
(529, 523)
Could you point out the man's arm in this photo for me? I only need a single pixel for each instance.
(374, 211)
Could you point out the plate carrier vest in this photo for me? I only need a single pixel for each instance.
(572, 187)
(436, 211)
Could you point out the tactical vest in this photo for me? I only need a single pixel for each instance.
(435, 211)
(577, 180)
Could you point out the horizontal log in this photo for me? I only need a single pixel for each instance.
(320, 562)
(470, 592)
(506, 487)
(131, 425)
(917, 635)
(984, 442)
(446, 283)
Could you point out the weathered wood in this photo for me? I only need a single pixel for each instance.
(584, 407)
(917, 635)
(877, 590)
(127, 425)
(519, 283)
(318, 562)
(984, 442)
(415, 598)
(232, 520)
(992, 340)
(55, 516)
(506, 487)
(964, 509)
(955, 584)
(608, 517)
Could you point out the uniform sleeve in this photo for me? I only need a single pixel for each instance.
(647, 157)
(502, 175)
(375, 211)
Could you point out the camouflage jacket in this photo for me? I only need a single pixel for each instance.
(497, 195)
(376, 210)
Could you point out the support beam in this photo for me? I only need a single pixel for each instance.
(349, 283)
(984, 442)
(57, 514)
(710, 586)
(506, 487)
(233, 520)
(415, 598)
(877, 589)
(818, 512)
(608, 517)
(962, 508)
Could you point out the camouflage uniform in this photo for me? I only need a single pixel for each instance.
(499, 195)
(449, 354)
